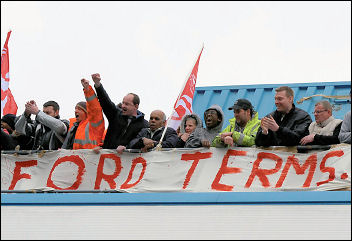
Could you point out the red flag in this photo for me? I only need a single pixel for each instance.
(183, 104)
(8, 104)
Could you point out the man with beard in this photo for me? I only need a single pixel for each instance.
(242, 129)
(285, 126)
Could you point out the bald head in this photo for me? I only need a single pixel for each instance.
(157, 119)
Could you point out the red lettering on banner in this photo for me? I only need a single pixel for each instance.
(292, 160)
(17, 172)
(108, 178)
(330, 170)
(224, 169)
(74, 159)
(261, 173)
(344, 176)
(135, 161)
(195, 157)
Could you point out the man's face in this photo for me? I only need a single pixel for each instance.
(190, 125)
(128, 108)
(242, 116)
(156, 120)
(282, 102)
(80, 114)
(321, 114)
(211, 118)
(49, 110)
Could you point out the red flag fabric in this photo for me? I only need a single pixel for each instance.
(183, 104)
(8, 104)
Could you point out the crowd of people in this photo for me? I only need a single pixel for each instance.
(128, 129)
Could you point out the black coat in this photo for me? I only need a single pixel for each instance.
(8, 142)
(118, 132)
(292, 129)
(169, 141)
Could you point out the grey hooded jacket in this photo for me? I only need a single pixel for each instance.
(180, 143)
(200, 134)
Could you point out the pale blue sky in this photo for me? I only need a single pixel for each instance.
(150, 47)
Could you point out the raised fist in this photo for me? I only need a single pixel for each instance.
(85, 83)
(96, 78)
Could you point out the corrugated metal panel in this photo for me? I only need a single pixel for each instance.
(262, 97)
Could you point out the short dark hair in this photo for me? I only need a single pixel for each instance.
(52, 103)
(136, 99)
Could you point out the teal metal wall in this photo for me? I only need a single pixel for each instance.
(262, 97)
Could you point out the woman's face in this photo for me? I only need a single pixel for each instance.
(190, 125)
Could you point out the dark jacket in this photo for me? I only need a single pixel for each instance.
(122, 129)
(292, 128)
(169, 140)
(7, 141)
(10, 141)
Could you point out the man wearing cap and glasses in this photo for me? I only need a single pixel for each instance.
(325, 129)
(242, 129)
(286, 125)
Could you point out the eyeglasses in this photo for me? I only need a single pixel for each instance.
(318, 111)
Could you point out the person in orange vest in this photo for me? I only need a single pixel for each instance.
(87, 129)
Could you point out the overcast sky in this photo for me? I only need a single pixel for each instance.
(149, 48)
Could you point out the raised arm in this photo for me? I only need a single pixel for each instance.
(107, 105)
(54, 124)
(23, 125)
(94, 110)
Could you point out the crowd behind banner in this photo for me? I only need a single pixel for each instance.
(128, 129)
(240, 169)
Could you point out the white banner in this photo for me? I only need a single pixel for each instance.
(179, 170)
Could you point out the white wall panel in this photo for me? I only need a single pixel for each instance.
(177, 222)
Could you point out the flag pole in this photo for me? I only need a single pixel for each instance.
(158, 147)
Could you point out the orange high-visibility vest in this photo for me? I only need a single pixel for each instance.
(90, 131)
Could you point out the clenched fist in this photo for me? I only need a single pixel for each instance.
(85, 84)
(96, 78)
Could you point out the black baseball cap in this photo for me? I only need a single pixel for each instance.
(241, 104)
